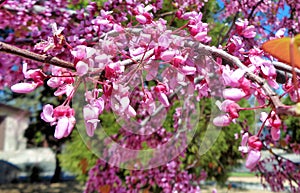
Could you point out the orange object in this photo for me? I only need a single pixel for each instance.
(104, 189)
(280, 49)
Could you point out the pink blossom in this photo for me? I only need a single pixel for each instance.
(24, 87)
(255, 143)
(231, 107)
(197, 28)
(64, 89)
(162, 97)
(61, 77)
(82, 68)
(55, 31)
(275, 133)
(243, 147)
(142, 14)
(148, 102)
(188, 70)
(234, 94)
(161, 90)
(232, 78)
(235, 45)
(35, 77)
(252, 159)
(82, 52)
(47, 114)
(113, 70)
(267, 69)
(62, 117)
(243, 29)
(64, 127)
(120, 102)
(222, 120)
(91, 118)
(280, 33)
(168, 55)
(273, 122)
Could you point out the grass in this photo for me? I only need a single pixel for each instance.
(242, 174)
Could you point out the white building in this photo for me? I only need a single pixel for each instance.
(13, 123)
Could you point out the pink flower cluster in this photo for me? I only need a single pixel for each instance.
(253, 150)
(62, 117)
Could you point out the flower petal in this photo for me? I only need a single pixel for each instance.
(252, 159)
(47, 114)
(61, 128)
(24, 87)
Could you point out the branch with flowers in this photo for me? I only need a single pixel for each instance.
(138, 68)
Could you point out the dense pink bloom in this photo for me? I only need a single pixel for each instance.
(142, 14)
(111, 30)
(113, 70)
(197, 28)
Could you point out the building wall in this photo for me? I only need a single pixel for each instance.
(13, 123)
(14, 133)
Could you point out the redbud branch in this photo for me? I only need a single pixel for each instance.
(263, 125)
(253, 9)
(9, 49)
(170, 13)
(286, 68)
(279, 107)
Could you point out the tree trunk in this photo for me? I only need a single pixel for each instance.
(57, 173)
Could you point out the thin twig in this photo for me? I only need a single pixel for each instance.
(231, 27)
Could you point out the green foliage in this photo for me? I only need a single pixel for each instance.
(293, 127)
(74, 155)
(223, 156)
(109, 124)
(217, 29)
(83, 3)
